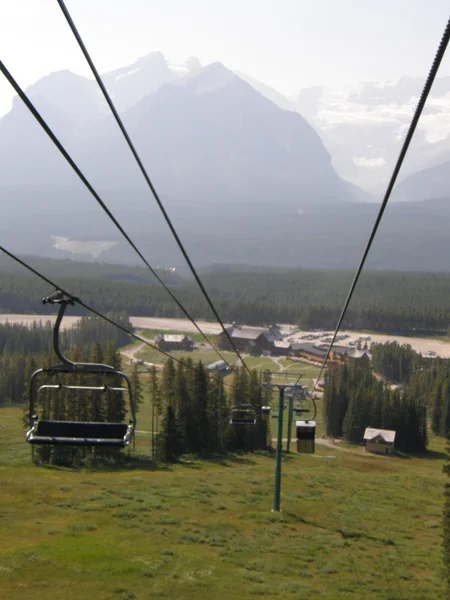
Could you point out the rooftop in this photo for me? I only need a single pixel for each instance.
(386, 434)
(174, 339)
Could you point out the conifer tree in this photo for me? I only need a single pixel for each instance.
(136, 387)
(170, 447)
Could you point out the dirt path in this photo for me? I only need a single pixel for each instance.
(276, 360)
(131, 352)
(330, 444)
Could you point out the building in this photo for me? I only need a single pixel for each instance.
(317, 352)
(168, 342)
(280, 348)
(379, 441)
(308, 351)
(250, 340)
(360, 355)
(338, 354)
(219, 365)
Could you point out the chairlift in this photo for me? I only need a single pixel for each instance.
(303, 406)
(265, 413)
(243, 414)
(77, 433)
(306, 435)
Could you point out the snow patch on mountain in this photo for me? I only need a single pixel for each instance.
(364, 161)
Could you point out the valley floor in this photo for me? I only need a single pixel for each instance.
(419, 344)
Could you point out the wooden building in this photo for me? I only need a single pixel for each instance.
(317, 352)
(250, 340)
(168, 342)
(379, 441)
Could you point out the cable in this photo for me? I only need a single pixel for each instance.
(61, 148)
(86, 306)
(417, 113)
(96, 312)
(146, 176)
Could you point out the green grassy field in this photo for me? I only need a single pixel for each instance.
(208, 355)
(353, 526)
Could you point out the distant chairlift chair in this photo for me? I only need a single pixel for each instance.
(77, 433)
(243, 414)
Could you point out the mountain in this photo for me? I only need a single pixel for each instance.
(205, 133)
(244, 181)
(363, 127)
(431, 183)
(129, 85)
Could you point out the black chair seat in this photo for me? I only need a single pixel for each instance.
(245, 421)
(79, 433)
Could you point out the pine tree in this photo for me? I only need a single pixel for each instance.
(136, 387)
(170, 447)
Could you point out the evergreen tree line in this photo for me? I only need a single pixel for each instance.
(354, 399)
(431, 385)
(393, 302)
(396, 362)
(25, 349)
(194, 410)
(426, 379)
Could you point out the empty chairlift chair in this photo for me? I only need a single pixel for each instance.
(78, 433)
(243, 414)
(306, 435)
(265, 413)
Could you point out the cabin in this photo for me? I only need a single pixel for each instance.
(168, 342)
(379, 441)
(359, 355)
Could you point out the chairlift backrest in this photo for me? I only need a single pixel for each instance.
(306, 434)
(243, 414)
(60, 431)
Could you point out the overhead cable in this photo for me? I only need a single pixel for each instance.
(74, 166)
(86, 306)
(146, 176)
(417, 113)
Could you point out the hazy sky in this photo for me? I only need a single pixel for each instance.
(288, 44)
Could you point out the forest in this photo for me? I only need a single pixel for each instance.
(409, 303)
(402, 391)
(23, 349)
(354, 399)
(195, 411)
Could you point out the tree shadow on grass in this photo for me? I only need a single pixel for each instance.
(430, 455)
(104, 465)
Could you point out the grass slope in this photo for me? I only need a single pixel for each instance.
(352, 527)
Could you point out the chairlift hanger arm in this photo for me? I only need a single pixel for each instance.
(63, 300)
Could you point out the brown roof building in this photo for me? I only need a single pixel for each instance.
(169, 342)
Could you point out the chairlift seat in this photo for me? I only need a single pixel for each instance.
(306, 435)
(265, 412)
(79, 433)
(243, 415)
